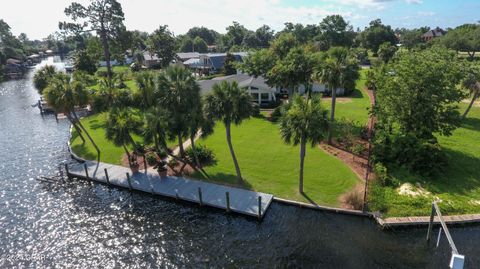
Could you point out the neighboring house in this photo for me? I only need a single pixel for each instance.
(185, 56)
(150, 60)
(261, 93)
(437, 32)
(214, 62)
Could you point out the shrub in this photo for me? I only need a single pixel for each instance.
(205, 155)
(355, 199)
(84, 62)
(380, 173)
(151, 158)
(376, 197)
(276, 114)
(101, 73)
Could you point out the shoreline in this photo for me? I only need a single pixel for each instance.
(410, 221)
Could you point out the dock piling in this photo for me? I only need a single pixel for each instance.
(430, 224)
(227, 196)
(106, 176)
(128, 179)
(259, 207)
(200, 196)
(67, 171)
(176, 194)
(86, 171)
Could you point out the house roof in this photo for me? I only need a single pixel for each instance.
(437, 32)
(218, 59)
(187, 55)
(147, 56)
(242, 80)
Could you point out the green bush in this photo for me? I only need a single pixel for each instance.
(380, 173)
(151, 158)
(205, 155)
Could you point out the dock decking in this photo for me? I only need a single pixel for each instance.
(240, 201)
(422, 221)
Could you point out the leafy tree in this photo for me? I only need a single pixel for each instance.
(471, 82)
(186, 44)
(235, 35)
(282, 44)
(376, 34)
(94, 48)
(463, 38)
(120, 125)
(162, 43)
(304, 121)
(416, 97)
(335, 31)
(412, 38)
(338, 70)
(210, 36)
(250, 40)
(200, 45)
(264, 35)
(84, 62)
(42, 77)
(386, 51)
(302, 34)
(105, 17)
(146, 90)
(229, 104)
(229, 66)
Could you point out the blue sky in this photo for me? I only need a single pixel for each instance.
(41, 17)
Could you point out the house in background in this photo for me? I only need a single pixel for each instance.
(150, 60)
(261, 93)
(207, 63)
(437, 32)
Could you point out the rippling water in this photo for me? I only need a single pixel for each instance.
(82, 225)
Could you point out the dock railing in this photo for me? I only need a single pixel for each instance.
(457, 260)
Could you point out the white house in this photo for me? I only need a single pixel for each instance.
(261, 93)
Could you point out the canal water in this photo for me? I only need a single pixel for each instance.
(81, 225)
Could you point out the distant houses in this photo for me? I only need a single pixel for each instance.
(206, 63)
(434, 33)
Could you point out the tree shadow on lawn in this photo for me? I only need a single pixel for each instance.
(82, 151)
(461, 175)
(471, 124)
(95, 124)
(225, 179)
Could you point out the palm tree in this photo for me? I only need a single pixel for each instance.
(64, 95)
(146, 89)
(230, 104)
(304, 121)
(334, 73)
(121, 124)
(472, 83)
(178, 93)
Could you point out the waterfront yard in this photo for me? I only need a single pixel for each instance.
(458, 187)
(269, 165)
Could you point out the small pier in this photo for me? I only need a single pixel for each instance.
(230, 199)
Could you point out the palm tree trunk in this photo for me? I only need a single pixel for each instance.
(474, 98)
(302, 161)
(232, 152)
(74, 124)
(180, 145)
(128, 155)
(332, 115)
(86, 132)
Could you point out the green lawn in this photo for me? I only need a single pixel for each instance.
(357, 104)
(109, 153)
(458, 187)
(269, 165)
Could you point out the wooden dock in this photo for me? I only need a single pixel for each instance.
(209, 194)
(423, 221)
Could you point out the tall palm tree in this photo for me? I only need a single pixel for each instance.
(64, 95)
(333, 72)
(229, 104)
(146, 89)
(304, 121)
(121, 124)
(178, 92)
(472, 83)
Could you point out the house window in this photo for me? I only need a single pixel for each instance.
(265, 96)
(253, 88)
(255, 96)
